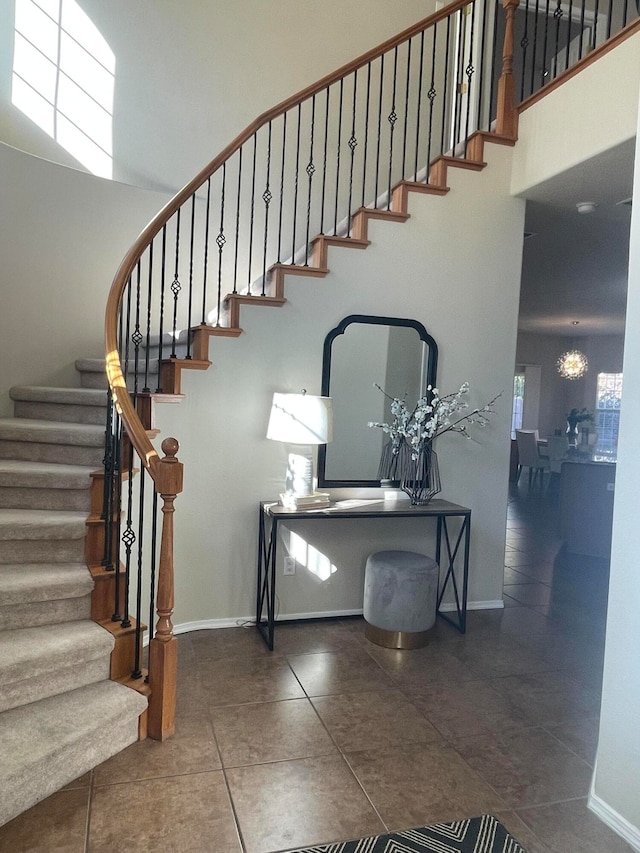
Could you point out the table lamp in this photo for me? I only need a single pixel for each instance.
(301, 419)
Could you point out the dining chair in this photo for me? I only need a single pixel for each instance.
(529, 455)
(557, 449)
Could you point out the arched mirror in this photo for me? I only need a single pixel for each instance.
(361, 352)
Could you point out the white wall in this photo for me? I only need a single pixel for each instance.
(175, 108)
(559, 131)
(230, 466)
(615, 787)
(62, 236)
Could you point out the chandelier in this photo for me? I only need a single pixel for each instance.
(572, 364)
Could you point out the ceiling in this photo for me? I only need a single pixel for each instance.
(575, 265)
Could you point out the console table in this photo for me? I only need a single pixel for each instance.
(452, 549)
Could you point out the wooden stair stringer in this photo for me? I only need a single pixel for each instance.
(318, 266)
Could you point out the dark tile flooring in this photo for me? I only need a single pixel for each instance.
(331, 738)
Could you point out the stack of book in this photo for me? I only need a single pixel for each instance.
(317, 500)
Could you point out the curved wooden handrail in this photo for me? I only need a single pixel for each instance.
(135, 429)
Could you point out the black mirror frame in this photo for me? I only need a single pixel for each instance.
(432, 365)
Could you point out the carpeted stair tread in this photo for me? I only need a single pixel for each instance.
(36, 582)
(27, 653)
(47, 744)
(30, 524)
(64, 396)
(51, 432)
(16, 473)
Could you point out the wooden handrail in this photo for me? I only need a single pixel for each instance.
(114, 371)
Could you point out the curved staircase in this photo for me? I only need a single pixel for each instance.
(60, 714)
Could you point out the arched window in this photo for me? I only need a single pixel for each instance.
(63, 79)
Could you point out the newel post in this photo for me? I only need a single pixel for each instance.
(507, 114)
(163, 648)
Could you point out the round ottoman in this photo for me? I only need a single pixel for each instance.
(400, 595)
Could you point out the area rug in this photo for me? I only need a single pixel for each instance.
(476, 835)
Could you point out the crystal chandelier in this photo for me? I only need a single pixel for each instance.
(572, 364)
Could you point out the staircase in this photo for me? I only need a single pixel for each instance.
(60, 714)
(64, 706)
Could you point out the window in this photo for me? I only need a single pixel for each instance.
(63, 79)
(518, 403)
(608, 399)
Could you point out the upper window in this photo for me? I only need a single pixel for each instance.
(518, 403)
(63, 79)
(608, 399)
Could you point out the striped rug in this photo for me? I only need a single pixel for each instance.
(475, 835)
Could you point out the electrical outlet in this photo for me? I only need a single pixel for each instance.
(289, 566)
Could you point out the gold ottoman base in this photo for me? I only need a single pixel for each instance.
(395, 639)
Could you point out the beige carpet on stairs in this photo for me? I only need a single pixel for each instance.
(60, 715)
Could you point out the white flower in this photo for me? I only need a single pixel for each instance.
(432, 416)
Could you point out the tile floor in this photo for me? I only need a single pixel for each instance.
(331, 738)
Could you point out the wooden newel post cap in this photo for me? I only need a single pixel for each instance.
(168, 477)
(170, 447)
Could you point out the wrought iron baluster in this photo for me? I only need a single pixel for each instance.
(295, 187)
(137, 672)
(108, 485)
(205, 254)
(481, 65)
(582, 11)
(282, 165)
(136, 337)
(545, 71)
(153, 562)
(392, 119)
(252, 210)
(569, 23)
(353, 142)
(469, 71)
(406, 113)
(176, 287)
(128, 539)
(432, 95)
(558, 15)
(116, 616)
(375, 187)
(458, 84)
(609, 18)
(324, 161)
(446, 83)
(338, 152)
(310, 170)
(366, 135)
(266, 198)
(495, 57)
(220, 243)
(595, 24)
(163, 262)
(535, 46)
(419, 105)
(524, 44)
(147, 351)
(238, 201)
(190, 290)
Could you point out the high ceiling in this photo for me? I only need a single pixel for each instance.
(575, 265)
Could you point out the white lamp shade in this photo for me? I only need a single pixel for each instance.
(301, 419)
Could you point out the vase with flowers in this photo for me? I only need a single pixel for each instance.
(412, 432)
(575, 417)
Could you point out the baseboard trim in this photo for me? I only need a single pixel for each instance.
(241, 621)
(610, 817)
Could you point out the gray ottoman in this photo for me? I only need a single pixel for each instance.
(400, 595)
